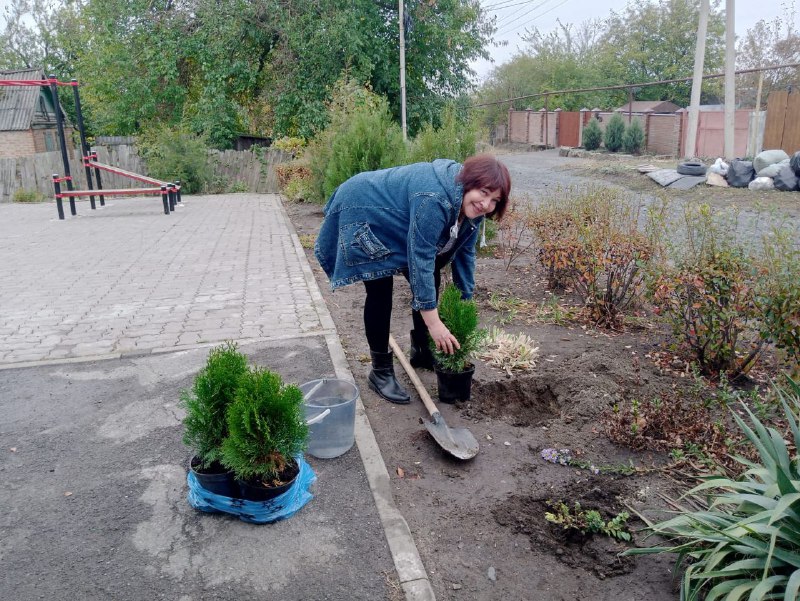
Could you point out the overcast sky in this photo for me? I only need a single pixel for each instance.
(515, 16)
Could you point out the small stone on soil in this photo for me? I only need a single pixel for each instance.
(491, 573)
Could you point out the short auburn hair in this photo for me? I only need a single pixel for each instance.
(485, 171)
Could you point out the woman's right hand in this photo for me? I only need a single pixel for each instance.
(444, 340)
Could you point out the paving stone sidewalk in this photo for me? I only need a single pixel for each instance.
(128, 279)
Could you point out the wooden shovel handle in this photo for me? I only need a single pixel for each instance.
(426, 398)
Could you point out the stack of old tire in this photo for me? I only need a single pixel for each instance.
(769, 170)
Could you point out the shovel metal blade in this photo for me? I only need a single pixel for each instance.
(459, 442)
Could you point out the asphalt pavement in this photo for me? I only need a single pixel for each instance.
(104, 318)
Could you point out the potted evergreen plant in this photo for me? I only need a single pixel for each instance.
(205, 424)
(454, 372)
(266, 431)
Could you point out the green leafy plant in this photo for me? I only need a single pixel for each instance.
(633, 139)
(461, 318)
(778, 300)
(173, 153)
(23, 195)
(239, 186)
(290, 145)
(708, 293)
(745, 544)
(455, 138)
(587, 521)
(213, 390)
(614, 133)
(266, 427)
(592, 135)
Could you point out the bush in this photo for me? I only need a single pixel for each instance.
(591, 239)
(454, 139)
(175, 154)
(592, 135)
(207, 402)
(22, 195)
(292, 146)
(294, 180)
(266, 427)
(708, 293)
(778, 300)
(745, 543)
(461, 318)
(372, 141)
(633, 139)
(615, 131)
(361, 128)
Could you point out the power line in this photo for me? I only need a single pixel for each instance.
(506, 30)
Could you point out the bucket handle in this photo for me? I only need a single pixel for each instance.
(318, 418)
(324, 414)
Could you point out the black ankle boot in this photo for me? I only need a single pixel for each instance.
(383, 381)
(421, 354)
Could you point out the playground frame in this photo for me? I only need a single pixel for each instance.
(170, 191)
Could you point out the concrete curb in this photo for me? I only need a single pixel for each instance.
(410, 570)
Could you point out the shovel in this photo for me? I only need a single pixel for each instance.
(459, 442)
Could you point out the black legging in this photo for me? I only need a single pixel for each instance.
(378, 310)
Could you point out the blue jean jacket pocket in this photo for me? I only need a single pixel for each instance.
(360, 245)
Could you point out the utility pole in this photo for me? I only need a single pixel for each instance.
(730, 78)
(697, 80)
(402, 72)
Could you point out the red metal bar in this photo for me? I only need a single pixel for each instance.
(35, 82)
(130, 174)
(130, 191)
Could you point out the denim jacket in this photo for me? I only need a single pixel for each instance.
(381, 223)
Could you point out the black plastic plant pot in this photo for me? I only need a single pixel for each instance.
(454, 386)
(216, 478)
(255, 490)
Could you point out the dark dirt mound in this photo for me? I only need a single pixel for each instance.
(596, 553)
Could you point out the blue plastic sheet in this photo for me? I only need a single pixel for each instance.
(256, 512)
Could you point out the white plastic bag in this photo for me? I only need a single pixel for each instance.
(719, 166)
(761, 183)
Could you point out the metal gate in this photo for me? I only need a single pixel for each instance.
(569, 124)
(782, 129)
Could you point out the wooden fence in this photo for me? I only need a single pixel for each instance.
(231, 169)
(782, 128)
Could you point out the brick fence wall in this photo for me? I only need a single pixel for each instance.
(16, 144)
(664, 133)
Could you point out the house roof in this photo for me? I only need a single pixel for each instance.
(18, 104)
(656, 106)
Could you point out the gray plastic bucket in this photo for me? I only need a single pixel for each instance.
(333, 434)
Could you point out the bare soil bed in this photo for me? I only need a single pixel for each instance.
(480, 525)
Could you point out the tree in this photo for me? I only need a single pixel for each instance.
(654, 40)
(768, 43)
(219, 68)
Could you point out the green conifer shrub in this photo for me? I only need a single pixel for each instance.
(592, 135)
(633, 139)
(461, 318)
(615, 131)
(266, 427)
(205, 424)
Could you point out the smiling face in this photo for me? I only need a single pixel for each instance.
(479, 201)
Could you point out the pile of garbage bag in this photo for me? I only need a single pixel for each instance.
(770, 169)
